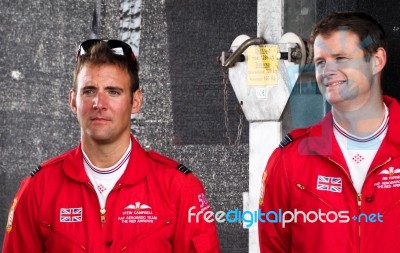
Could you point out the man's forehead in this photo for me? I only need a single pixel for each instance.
(102, 75)
(337, 42)
(102, 85)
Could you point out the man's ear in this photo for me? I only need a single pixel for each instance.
(137, 100)
(72, 101)
(379, 60)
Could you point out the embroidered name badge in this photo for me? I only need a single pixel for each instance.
(138, 213)
(389, 178)
(332, 184)
(71, 214)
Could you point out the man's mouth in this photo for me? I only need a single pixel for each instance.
(99, 119)
(333, 84)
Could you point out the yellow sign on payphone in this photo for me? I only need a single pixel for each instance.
(262, 65)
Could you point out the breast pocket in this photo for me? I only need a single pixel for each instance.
(56, 240)
(307, 198)
(150, 238)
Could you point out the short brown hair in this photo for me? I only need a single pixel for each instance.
(370, 32)
(101, 54)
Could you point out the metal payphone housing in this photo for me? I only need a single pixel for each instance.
(263, 75)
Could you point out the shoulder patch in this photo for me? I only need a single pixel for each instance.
(24, 183)
(36, 170)
(168, 161)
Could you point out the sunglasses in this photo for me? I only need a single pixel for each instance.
(118, 47)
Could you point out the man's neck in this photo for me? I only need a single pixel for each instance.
(105, 155)
(362, 122)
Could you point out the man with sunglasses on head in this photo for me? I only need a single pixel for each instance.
(336, 184)
(108, 194)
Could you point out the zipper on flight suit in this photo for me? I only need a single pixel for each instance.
(359, 195)
(102, 215)
(102, 210)
(359, 198)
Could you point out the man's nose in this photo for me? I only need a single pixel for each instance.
(330, 68)
(99, 101)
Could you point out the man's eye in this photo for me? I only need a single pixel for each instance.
(341, 59)
(319, 63)
(88, 92)
(115, 92)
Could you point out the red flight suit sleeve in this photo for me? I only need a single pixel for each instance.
(273, 237)
(22, 233)
(194, 235)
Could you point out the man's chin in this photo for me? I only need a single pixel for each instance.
(100, 138)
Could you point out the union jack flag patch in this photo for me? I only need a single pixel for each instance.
(332, 184)
(71, 214)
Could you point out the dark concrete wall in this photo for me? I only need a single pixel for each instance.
(198, 31)
(176, 61)
(38, 40)
(183, 112)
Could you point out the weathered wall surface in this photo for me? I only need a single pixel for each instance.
(183, 112)
(38, 40)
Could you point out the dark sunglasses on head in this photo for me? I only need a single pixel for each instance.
(117, 46)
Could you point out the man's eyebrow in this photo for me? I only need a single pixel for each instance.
(88, 87)
(339, 54)
(333, 55)
(113, 88)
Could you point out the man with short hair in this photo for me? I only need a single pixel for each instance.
(108, 194)
(336, 184)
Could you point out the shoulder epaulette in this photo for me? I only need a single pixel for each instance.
(292, 136)
(36, 170)
(285, 141)
(182, 168)
(168, 161)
